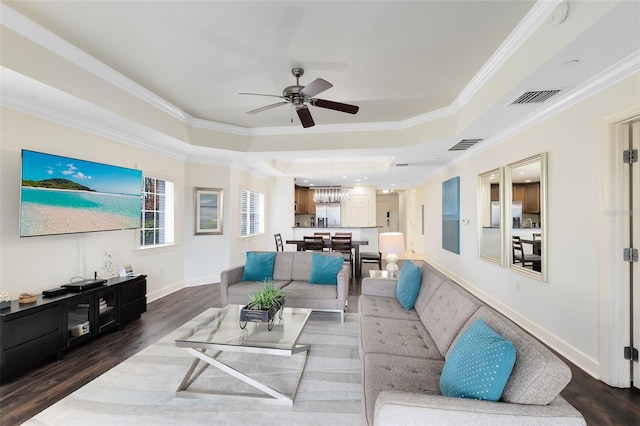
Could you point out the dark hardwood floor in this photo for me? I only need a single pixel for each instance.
(24, 397)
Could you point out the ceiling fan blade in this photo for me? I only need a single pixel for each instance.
(322, 103)
(264, 108)
(316, 86)
(305, 116)
(262, 94)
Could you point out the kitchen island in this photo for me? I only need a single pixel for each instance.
(365, 236)
(369, 233)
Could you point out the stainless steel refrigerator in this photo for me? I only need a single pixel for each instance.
(516, 214)
(328, 214)
(495, 214)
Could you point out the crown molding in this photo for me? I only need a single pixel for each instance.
(610, 76)
(536, 16)
(45, 38)
(55, 115)
(50, 41)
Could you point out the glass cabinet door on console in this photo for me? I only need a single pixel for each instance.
(106, 310)
(79, 315)
(92, 314)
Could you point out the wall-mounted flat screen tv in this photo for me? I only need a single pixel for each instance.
(62, 195)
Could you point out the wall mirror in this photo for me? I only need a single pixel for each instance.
(490, 216)
(525, 208)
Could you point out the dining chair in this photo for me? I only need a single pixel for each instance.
(323, 235)
(279, 244)
(371, 257)
(519, 256)
(313, 243)
(343, 234)
(342, 244)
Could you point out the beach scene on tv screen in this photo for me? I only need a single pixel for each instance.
(62, 195)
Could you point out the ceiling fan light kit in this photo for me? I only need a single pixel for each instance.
(299, 96)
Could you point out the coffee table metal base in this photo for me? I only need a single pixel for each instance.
(270, 395)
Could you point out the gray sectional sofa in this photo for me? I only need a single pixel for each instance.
(291, 272)
(403, 354)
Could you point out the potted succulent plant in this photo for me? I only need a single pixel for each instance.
(263, 305)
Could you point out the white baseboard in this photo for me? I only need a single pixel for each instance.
(165, 291)
(202, 281)
(586, 363)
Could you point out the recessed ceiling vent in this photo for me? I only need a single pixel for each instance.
(464, 144)
(401, 164)
(535, 96)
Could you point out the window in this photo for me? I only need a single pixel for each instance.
(252, 213)
(157, 212)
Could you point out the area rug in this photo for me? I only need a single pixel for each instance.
(142, 389)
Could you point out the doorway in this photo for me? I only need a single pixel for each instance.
(620, 269)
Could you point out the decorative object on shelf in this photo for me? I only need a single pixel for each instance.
(263, 305)
(108, 264)
(126, 270)
(391, 243)
(208, 211)
(26, 298)
(331, 194)
(5, 299)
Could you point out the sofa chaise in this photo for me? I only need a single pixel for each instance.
(291, 272)
(403, 354)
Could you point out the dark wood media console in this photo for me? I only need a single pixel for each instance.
(35, 332)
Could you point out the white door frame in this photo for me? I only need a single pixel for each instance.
(613, 235)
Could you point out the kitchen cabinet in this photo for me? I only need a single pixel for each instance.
(529, 195)
(302, 200)
(518, 193)
(495, 192)
(311, 205)
(531, 203)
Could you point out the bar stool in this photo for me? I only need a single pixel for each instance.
(371, 257)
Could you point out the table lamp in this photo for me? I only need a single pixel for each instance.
(391, 243)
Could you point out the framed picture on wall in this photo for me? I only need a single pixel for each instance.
(208, 209)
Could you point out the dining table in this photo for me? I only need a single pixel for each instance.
(355, 245)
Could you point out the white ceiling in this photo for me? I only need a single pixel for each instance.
(400, 62)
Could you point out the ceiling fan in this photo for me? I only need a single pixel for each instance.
(298, 96)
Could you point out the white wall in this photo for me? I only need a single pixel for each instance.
(205, 256)
(563, 312)
(39, 263)
(238, 246)
(280, 214)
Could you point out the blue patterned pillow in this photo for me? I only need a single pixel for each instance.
(324, 269)
(479, 364)
(408, 285)
(258, 266)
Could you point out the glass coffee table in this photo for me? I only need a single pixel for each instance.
(220, 332)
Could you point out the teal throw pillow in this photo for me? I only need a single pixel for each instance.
(324, 269)
(258, 267)
(408, 285)
(479, 364)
